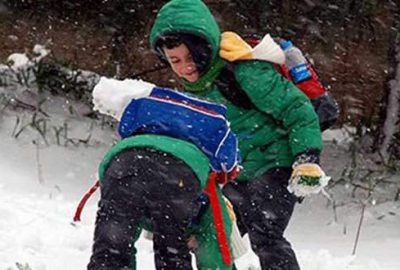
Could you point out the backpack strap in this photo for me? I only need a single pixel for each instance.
(230, 88)
(327, 110)
(324, 104)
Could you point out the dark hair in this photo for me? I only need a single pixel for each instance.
(169, 42)
(199, 48)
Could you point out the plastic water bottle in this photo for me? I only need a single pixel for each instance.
(296, 62)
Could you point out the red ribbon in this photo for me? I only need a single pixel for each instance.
(211, 190)
(84, 199)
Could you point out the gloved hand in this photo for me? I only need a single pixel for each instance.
(111, 96)
(307, 179)
(233, 48)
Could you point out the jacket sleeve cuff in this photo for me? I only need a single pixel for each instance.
(308, 156)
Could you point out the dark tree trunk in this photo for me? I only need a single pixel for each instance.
(391, 126)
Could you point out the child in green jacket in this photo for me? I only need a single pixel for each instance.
(277, 128)
(163, 176)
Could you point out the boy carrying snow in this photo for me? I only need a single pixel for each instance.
(175, 150)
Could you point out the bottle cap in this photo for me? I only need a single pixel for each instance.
(286, 44)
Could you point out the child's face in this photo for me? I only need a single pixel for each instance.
(182, 63)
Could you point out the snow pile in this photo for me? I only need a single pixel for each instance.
(21, 61)
(112, 87)
(28, 78)
(339, 136)
(41, 51)
(37, 230)
(111, 96)
(324, 260)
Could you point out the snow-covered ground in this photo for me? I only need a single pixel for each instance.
(38, 200)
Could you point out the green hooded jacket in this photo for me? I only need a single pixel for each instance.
(183, 150)
(208, 255)
(283, 124)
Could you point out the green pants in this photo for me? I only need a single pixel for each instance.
(208, 255)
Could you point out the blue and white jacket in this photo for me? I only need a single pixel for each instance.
(171, 113)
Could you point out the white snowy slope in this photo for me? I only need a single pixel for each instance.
(35, 218)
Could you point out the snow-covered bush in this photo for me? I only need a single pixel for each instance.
(360, 167)
(40, 72)
(49, 98)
